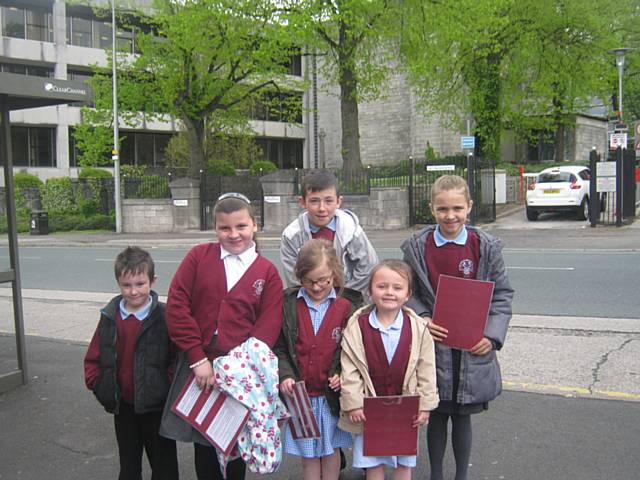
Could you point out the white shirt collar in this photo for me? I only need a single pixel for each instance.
(375, 323)
(440, 240)
(245, 257)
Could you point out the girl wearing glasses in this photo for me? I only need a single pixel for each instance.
(222, 294)
(309, 349)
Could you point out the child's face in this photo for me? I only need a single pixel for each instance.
(135, 288)
(321, 206)
(389, 290)
(318, 283)
(235, 231)
(450, 209)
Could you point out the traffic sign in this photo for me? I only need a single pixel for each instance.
(468, 142)
(617, 140)
(636, 129)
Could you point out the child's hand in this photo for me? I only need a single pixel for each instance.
(482, 347)
(334, 382)
(421, 419)
(286, 386)
(204, 376)
(437, 332)
(357, 416)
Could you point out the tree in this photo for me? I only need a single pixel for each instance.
(355, 35)
(205, 62)
(529, 65)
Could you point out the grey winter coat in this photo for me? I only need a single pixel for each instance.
(351, 243)
(480, 379)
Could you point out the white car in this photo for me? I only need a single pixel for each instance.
(559, 189)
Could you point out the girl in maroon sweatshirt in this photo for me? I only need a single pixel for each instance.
(222, 294)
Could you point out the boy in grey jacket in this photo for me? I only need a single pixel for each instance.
(323, 218)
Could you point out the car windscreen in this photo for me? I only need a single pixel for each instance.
(554, 177)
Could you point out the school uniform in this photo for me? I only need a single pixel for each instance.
(465, 382)
(309, 349)
(128, 367)
(378, 360)
(216, 301)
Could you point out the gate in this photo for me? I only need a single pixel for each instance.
(212, 186)
(479, 173)
(612, 189)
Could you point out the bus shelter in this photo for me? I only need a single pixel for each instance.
(19, 92)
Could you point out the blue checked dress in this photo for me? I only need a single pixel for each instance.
(331, 437)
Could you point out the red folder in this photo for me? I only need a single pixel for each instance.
(302, 422)
(388, 428)
(216, 415)
(462, 307)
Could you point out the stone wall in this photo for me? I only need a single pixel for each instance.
(147, 216)
(383, 209)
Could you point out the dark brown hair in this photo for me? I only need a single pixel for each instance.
(133, 261)
(312, 255)
(401, 268)
(318, 180)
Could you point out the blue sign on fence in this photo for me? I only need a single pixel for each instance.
(468, 142)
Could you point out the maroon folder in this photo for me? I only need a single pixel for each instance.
(462, 307)
(388, 428)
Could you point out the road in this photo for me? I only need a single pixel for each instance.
(598, 283)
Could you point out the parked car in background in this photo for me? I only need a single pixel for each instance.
(559, 189)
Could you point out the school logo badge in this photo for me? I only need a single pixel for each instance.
(466, 267)
(336, 334)
(258, 287)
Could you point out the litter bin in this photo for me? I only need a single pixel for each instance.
(39, 224)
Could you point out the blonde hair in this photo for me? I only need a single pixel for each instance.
(450, 182)
(400, 267)
(314, 254)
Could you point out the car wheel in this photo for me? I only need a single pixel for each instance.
(583, 209)
(532, 214)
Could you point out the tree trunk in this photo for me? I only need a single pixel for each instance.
(195, 137)
(350, 122)
(559, 142)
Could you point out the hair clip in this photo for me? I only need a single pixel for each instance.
(237, 195)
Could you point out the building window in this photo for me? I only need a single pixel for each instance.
(286, 154)
(27, 23)
(33, 146)
(34, 71)
(92, 33)
(278, 107)
(79, 32)
(143, 148)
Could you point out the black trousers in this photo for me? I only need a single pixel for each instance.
(208, 467)
(137, 431)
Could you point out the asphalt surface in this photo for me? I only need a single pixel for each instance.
(570, 409)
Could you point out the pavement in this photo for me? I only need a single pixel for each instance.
(571, 406)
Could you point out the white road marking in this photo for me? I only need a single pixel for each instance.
(541, 268)
(154, 261)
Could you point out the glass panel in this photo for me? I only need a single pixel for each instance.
(39, 26)
(42, 147)
(292, 154)
(124, 40)
(81, 32)
(144, 148)
(14, 68)
(20, 146)
(8, 351)
(102, 32)
(162, 141)
(73, 151)
(13, 22)
(127, 148)
(79, 75)
(40, 71)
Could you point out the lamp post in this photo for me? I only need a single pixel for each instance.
(115, 154)
(620, 53)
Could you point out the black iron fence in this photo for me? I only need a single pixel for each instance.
(147, 186)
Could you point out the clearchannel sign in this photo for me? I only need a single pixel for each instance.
(52, 87)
